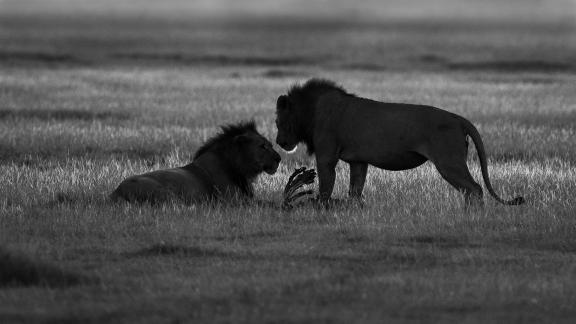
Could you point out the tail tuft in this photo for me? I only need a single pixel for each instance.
(517, 201)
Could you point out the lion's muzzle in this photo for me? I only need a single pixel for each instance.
(271, 169)
(288, 149)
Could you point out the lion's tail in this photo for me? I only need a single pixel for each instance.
(473, 133)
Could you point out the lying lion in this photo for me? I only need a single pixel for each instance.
(336, 125)
(223, 169)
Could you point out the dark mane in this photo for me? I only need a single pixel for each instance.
(314, 87)
(304, 98)
(222, 145)
(222, 140)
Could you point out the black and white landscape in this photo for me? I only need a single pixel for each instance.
(92, 92)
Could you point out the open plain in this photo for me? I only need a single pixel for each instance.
(92, 93)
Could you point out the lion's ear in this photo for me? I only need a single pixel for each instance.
(282, 102)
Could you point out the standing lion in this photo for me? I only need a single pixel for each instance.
(336, 125)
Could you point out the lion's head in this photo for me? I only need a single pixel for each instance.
(296, 113)
(246, 151)
(256, 152)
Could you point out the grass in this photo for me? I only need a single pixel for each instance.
(82, 108)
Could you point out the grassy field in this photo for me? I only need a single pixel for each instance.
(89, 96)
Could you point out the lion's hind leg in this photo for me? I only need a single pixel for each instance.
(448, 151)
(358, 172)
(458, 175)
(143, 189)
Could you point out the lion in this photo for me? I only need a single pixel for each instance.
(336, 125)
(223, 169)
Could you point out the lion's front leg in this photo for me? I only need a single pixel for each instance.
(358, 172)
(326, 178)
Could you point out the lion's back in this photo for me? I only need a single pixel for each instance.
(382, 134)
(353, 115)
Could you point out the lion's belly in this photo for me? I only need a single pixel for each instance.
(392, 161)
(398, 162)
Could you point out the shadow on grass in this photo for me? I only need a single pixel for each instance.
(177, 250)
(24, 57)
(507, 66)
(249, 236)
(568, 246)
(61, 114)
(432, 59)
(364, 67)
(511, 66)
(439, 241)
(18, 271)
(359, 259)
(554, 243)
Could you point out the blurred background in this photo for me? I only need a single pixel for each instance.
(509, 35)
